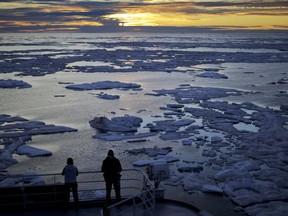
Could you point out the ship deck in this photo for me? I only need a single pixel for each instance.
(162, 208)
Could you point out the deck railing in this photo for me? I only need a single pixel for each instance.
(139, 204)
(48, 189)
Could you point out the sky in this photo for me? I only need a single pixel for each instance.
(89, 15)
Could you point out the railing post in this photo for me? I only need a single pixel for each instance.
(23, 193)
(134, 207)
(55, 191)
(153, 200)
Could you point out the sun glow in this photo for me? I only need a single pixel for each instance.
(134, 19)
(192, 15)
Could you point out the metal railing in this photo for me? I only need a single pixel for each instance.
(142, 204)
(48, 189)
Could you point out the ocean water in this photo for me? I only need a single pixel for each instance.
(255, 62)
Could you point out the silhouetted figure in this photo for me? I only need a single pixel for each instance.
(70, 173)
(111, 167)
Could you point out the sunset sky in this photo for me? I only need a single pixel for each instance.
(87, 15)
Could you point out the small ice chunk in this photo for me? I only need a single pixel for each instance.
(107, 96)
(212, 75)
(216, 139)
(211, 189)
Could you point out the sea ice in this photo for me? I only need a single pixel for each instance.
(240, 174)
(268, 209)
(252, 167)
(15, 131)
(212, 75)
(102, 85)
(247, 191)
(117, 124)
(195, 169)
(279, 177)
(169, 125)
(10, 147)
(32, 151)
(157, 159)
(32, 178)
(195, 181)
(208, 188)
(27, 178)
(9, 83)
(151, 151)
(147, 162)
(196, 94)
(117, 137)
(103, 95)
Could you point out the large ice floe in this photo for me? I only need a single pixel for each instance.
(9, 83)
(118, 128)
(250, 166)
(102, 85)
(15, 131)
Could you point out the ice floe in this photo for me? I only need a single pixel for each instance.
(151, 151)
(15, 131)
(191, 94)
(119, 124)
(32, 151)
(195, 181)
(157, 159)
(247, 191)
(105, 96)
(268, 209)
(102, 85)
(123, 136)
(212, 75)
(9, 83)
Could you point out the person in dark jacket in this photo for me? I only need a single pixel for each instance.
(70, 173)
(111, 168)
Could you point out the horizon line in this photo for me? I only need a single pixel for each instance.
(115, 29)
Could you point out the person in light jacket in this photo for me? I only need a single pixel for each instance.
(70, 173)
(111, 168)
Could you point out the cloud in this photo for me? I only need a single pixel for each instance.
(81, 14)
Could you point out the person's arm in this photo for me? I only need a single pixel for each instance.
(103, 167)
(63, 171)
(119, 166)
(77, 172)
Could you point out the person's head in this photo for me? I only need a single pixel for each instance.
(70, 161)
(110, 153)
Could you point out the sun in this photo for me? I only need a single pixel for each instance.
(133, 19)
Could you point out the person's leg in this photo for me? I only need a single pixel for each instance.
(67, 193)
(108, 190)
(116, 185)
(75, 192)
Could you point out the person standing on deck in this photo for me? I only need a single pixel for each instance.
(70, 173)
(111, 168)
